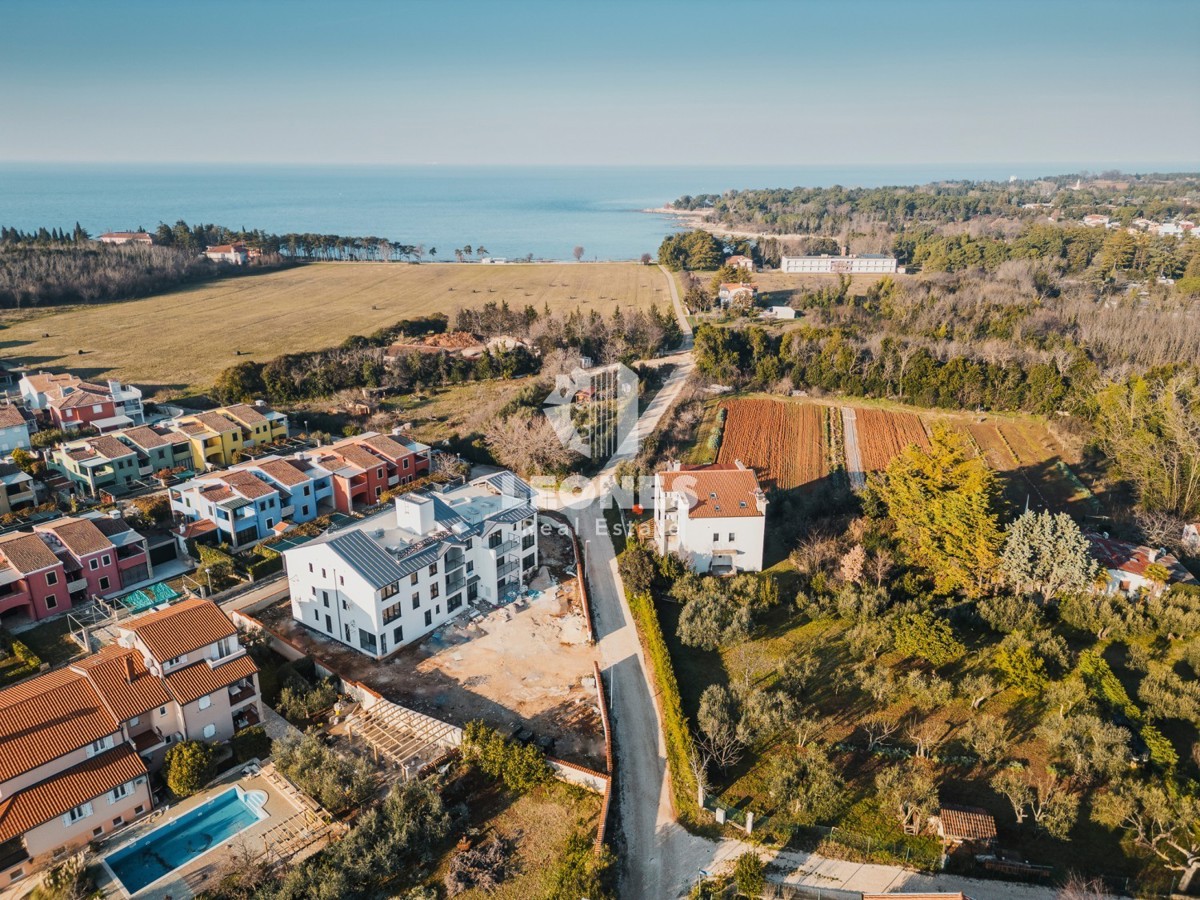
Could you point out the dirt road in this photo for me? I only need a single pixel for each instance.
(854, 466)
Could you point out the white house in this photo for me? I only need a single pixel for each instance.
(1125, 565)
(744, 263)
(713, 516)
(389, 579)
(780, 312)
(862, 264)
(737, 293)
(237, 254)
(14, 430)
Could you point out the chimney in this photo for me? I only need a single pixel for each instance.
(128, 669)
(741, 465)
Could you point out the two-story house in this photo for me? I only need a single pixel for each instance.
(244, 505)
(714, 517)
(77, 744)
(101, 555)
(391, 578)
(404, 459)
(70, 402)
(358, 476)
(14, 429)
(16, 489)
(218, 437)
(158, 449)
(97, 464)
(33, 581)
(261, 425)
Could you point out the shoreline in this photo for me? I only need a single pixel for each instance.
(697, 218)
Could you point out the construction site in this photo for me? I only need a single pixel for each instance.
(524, 667)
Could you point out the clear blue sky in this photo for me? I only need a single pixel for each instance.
(572, 82)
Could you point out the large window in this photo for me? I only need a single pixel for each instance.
(368, 641)
(391, 613)
(454, 603)
(390, 590)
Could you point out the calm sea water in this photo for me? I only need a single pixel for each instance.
(511, 211)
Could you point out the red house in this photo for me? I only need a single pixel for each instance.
(33, 581)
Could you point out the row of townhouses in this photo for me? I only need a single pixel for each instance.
(78, 744)
(69, 402)
(390, 578)
(256, 500)
(68, 561)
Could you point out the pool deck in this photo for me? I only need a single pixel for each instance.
(185, 882)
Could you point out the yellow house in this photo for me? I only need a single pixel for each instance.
(218, 436)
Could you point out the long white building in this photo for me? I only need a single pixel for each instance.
(389, 579)
(714, 517)
(863, 264)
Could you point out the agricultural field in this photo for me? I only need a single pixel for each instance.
(883, 433)
(784, 442)
(176, 343)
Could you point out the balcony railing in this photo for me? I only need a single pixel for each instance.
(501, 549)
(507, 569)
(242, 694)
(455, 584)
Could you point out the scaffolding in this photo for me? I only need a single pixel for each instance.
(405, 739)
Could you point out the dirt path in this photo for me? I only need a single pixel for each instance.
(854, 466)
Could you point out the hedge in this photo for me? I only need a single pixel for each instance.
(266, 565)
(680, 745)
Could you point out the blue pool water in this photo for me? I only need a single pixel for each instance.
(177, 843)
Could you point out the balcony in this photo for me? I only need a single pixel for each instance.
(288, 511)
(506, 547)
(455, 583)
(246, 718)
(239, 694)
(507, 569)
(148, 741)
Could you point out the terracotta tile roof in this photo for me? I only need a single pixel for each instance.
(1132, 559)
(192, 428)
(249, 485)
(195, 681)
(44, 381)
(245, 413)
(182, 628)
(147, 437)
(358, 456)
(47, 717)
(967, 823)
(43, 801)
(285, 472)
(27, 553)
(109, 447)
(197, 528)
(214, 421)
(78, 397)
(123, 681)
(387, 447)
(716, 491)
(226, 248)
(80, 536)
(215, 493)
(10, 417)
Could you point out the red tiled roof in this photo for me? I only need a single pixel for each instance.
(27, 553)
(195, 681)
(78, 397)
(43, 801)
(967, 823)
(182, 628)
(147, 437)
(245, 414)
(48, 716)
(389, 447)
(284, 471)
(1133, 560)
(80, 536)
(248, 485)
(216, 422)
(10, 417)
(716, 491)
(358, 456)
(127, 686)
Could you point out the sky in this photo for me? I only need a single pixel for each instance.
(576, 82)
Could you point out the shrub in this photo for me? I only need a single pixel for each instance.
(189, 766)
(748, 875)
(483, 867)
(333, 780)
(22, 652)
(520, 767)
(251, 743)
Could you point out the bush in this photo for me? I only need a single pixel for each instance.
(251, 743)
(22, 652)
(748, 875)
(189, 766)
(483, 867)
(333, 780)
(520, 767)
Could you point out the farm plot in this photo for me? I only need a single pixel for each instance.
(882, 434)
(1041, 464)
(785, 443)
(996, 452)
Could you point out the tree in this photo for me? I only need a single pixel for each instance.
(1090, 748)
(240, 382)
(987, 736)
(1098, 614)
(908, 792)
(878, 729)
(521, 767)
(851, 566)
(918, 633)
(1164, 822)
(1047, 554)
(577, 253)
(1020, 667)
(527, 443)
(807, 785)
(748, 875)
(189, 765)
(942, 502)
(976, 688)
(646, 259)
(1042, 797)
(717, 719)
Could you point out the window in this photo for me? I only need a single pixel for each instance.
(310, 568)
(342, 581)
(434, 591)
(391, 613)
(731, 537)
(347, 628)
(325, 599)
(80, 812)
(118, 821)
(527, 562)
(390, 590)
(428, 617)
(99, 746)
(406, 462)
(414, 577)
(716, 537)
(398, 634)
(51, 602)
(93, 564)
(51, 578)
(204, 702)
(270, 522)
(433, 569)
(121, 790)
(139, 809)
(209, 730)
(134, 721)
(323, 573)
(173, 662)
(454, 603)
(367, 641)
(527, 541)
(103, 582)
(378, 492)
(494, 540)
(328, 624)
(97, 831)
(162, 711)
(316, 616)
(106, 559)
(416, 599)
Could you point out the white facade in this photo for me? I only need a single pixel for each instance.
(865, 264)
(388, 580)
(714, 517)
(13, 433)
(780, 312)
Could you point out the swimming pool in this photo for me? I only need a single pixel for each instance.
(193, 834)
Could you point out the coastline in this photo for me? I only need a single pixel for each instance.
(698, 218)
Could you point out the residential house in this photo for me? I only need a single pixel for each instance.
(98, 464)
(1095, 220)
(404, 459)
(235, 254)
(77, 744)
(391, 578)
(219, 437)
(737, 293)
(1126, 566)
(16, 489)
(860, 264)
(359, 477)
(158, 449)
(126, 237)
(780, 312)
(714, 517)
(242, 503)
(101, 556)
(744, 263)
(70, 402)
(14, 429)
(33, 581)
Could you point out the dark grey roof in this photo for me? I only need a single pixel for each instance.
(367, 558)
(516, 514)
(418, 560)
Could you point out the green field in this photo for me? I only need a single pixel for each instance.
(176, 343)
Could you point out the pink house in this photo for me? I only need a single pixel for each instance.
(33, 581)
(88, 556)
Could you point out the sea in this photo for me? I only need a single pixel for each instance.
(511, 211)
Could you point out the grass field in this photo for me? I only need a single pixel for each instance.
(177, 343)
